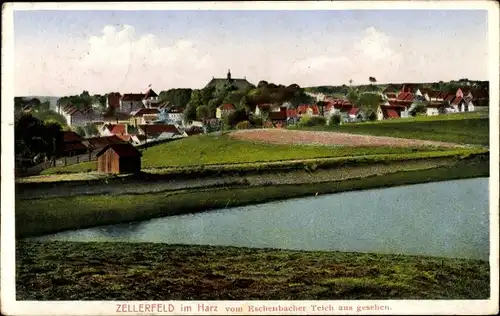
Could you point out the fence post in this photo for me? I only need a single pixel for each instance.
(77, 159)
(90, 156)
(65, 161)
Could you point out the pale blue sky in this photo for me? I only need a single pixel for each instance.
(304, 47)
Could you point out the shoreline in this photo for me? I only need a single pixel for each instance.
(38, 217)
(297, 177)
(99, 271)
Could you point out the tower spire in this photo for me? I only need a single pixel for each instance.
(229, 74)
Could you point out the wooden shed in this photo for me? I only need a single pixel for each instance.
(119, 158)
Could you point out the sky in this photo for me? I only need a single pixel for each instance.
(59, 53)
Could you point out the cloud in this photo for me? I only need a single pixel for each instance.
(118, 58)
(374, 54)
(115, 60)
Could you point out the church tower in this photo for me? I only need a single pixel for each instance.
(229, 74)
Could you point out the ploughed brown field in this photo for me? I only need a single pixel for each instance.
(296, 137)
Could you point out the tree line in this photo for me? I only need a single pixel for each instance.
(203, 103)
(36, 139)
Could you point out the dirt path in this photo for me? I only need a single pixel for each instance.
(296, 137)
(275, 178)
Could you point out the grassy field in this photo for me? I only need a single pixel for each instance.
(453, 128)
(49, 215)
(205, 150)
(101, 271)
(74, 174)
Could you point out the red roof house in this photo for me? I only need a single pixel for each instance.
(114, 129)
(145, 111)
(405, 96)
(224, 109)
(97, 143)
(72, 144)
(291, 113)
(354, 111)
(70, 136)
(306, 109)
(155, 130)
(280, 116)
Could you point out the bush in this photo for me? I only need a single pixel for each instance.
(334, 120)
(256, 120)
(312, 121)
(243, 125)
(418, 109)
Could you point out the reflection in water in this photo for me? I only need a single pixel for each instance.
(439, 219)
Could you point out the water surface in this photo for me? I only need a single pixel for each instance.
(449, 219)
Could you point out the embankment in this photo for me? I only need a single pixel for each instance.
(38, 216)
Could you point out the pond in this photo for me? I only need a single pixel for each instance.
(449, 219)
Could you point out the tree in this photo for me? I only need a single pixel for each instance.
(43, 107)
(190, 112)
(178, 97)
(100, 101)
(262, 84)
(53, 138)
(334, 120)
(369, 102)
(372, 79)
(91, 129)
(203, 112)
(419, 108)
(34, 138)
(234, 97)
(264, 114)
(353, 96)
(50, 115)
(350, 82)
(239, 115)
(80, 130)
(207, 94)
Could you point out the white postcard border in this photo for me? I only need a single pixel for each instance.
(10, 306)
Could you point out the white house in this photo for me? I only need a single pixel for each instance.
(131, 102)
(356, 115)
(224, 109)
(144, 116)
(432, 109)
(460, 104)
(113, 129)
(76, 117)
(175, 116)
(259, 109)
(150, 99)
(393, 110)
(155, 131)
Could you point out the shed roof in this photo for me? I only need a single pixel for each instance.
(123, 150)
(70, 136)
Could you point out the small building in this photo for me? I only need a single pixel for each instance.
(356, 115)
(279, 118)
(119, 158)
(237, 83)
(224, 109)
(73, 144)
(144, 116)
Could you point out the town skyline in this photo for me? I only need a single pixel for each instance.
(104, 51)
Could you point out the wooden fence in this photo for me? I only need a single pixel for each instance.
(66, 161)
